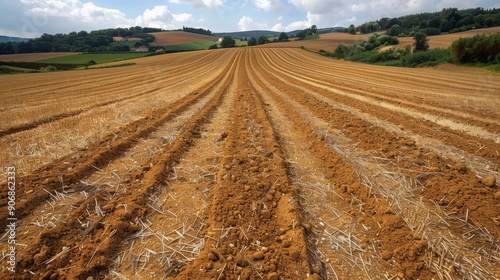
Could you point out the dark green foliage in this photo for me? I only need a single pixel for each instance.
(37, 66)
(446, 20)
(395, 30)
(283, 37)
(213, 47)
(90, 62)
(252, 41)
(432, 31)
(429, 58)
(314, 28)
(94, 41)
(352, 29)
(375, 41)
(301, 35)
(421, 42)
(197, 30)
(228, 42)
(477, 49)
(262, 40)
(119, 48)
(489, 22)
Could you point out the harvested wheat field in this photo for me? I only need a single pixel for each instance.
(328, 42)
(444, 41)
(252, 163)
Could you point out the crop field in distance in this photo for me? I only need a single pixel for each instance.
(98, 58)
(252, 163)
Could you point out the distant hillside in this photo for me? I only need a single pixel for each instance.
(169, 38)
(450, 20)
(272, 34)
(4, 39)
(249, 34)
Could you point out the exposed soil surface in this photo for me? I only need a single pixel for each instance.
(252, 163)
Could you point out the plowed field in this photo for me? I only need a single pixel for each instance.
(252, 164)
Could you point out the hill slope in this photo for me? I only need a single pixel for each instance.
(169, 38)
(445, 40)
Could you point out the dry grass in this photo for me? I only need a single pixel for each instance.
(425, 218)
(445, 40)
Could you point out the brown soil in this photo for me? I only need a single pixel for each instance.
(254, 163)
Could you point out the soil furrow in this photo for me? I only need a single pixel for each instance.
(113, 180)
(484, 217)
(76, 166)
(450, 123)
(254, 229)
(349, 192)
(417, 162)
(172, 235)
(472, 144)
(113, 224)
(251, 163)
(112, 88)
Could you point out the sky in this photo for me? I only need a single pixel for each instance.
(32, 18)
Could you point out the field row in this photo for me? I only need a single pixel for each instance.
(254, 163)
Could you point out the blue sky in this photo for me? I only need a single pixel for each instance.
(31, 18)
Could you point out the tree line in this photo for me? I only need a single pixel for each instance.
(83, 41)
(448, 20)
(198, 31)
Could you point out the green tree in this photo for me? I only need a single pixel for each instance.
(489, 22)
(352, 29)
(314, 28)
(252, 42)
(421, 42)
(262, 40)
(283, 37)
(301, 35)
(395, 30)
(228, 42)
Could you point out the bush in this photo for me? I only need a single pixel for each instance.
(213, 47)
(252, 42)
(49, 68)
(228, 42)
(428, 58)
(432, 31)
(477, 49)
(90, 62)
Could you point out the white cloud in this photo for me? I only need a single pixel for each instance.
(74, 10)
(213, 4)
(161, 17)
(73, 15)
(270, 5)
(247, 23)
(356, 8)
(278, 27)
(317, 6)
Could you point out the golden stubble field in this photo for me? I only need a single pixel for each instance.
(252, 163)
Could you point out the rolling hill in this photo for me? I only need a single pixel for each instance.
(169, 38)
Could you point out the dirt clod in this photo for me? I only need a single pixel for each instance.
(489, 181)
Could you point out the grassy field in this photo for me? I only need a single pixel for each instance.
(199, 45)
(98, 58)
